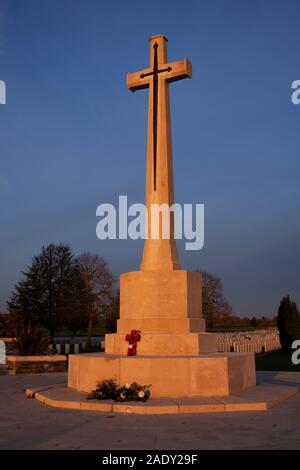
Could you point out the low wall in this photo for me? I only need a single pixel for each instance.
(36, 364)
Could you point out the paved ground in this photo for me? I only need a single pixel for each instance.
(27, 424)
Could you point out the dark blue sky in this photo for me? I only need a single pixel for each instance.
(72, 136)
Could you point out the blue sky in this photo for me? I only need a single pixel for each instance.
(72, 136)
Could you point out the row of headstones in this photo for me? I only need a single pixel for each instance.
(71, 348)
(255, 343)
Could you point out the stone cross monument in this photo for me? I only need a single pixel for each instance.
(162, 302)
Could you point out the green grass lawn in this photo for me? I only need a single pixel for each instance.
(275, 360)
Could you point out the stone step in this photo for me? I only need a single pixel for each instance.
(163, 344)
(258, 398)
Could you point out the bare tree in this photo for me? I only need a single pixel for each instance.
(215, 306)
(112, 312)
(100, 282)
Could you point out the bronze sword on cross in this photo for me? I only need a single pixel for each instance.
(155, 73)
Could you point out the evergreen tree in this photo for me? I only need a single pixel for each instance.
(52, 291)
(4, 327)
(288, 323)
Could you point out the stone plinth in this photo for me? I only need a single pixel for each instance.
(216, 374)
(161, 301)
(166, 306)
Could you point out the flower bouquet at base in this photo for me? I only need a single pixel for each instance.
(133, 392)
(109, 390)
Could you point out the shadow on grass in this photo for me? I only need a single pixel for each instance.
(275, 361)
(270, 364)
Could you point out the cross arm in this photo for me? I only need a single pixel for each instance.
(179, 70)
(138, 80)
(172, 71)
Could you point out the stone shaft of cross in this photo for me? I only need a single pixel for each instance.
(159, 254)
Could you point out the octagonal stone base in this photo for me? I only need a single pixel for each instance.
(216, 374)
